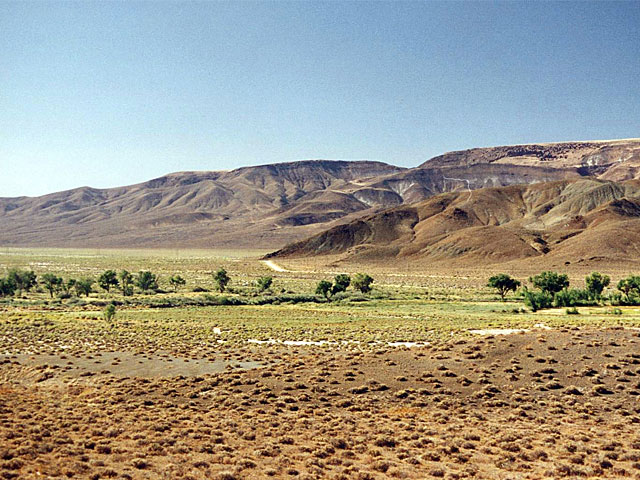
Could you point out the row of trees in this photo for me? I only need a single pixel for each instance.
(360, 281)
(553, 290)
(20, 281)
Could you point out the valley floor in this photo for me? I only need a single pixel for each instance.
(313, 390)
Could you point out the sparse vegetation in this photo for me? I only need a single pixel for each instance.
(381, 407)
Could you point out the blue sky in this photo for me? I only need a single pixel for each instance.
(113, 93)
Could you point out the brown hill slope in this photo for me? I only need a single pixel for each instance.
(571, 220)
(272, 205)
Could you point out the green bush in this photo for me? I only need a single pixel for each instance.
(537, 300)
(574, 297)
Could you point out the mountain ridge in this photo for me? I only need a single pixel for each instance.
(272, 205)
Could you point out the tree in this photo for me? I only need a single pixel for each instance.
(340, 283)
(68, 285)
(7, 287)
(52, 282)
(264, 283)
(84, 286)
(108, 279)
(177, 281)
(146, 281)
(504, 284)
(629, 285)
(221, 279)
(22, 279)
(362, 282)
(323, 288)
(596, 283)
(550, 282)
(126, 280)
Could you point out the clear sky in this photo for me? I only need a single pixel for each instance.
(113, 93)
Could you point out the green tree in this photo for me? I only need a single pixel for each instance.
(362, 282)
(7, 287)
(52, 282)
(629, 285)
(84, 286)
(504, 284)
(323, 288)
(264, 283)
(550, 282)
(177, 281)
(24, 280)
(68, 285)
(146, 281)
(126, 282)
(221, 279)
(108, 279)
(596, 283)
(340, 283)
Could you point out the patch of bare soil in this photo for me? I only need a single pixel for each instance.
(542, 404)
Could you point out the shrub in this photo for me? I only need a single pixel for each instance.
(573, 311)
(221, 279)
(177, 281)
(109, 312)
(537, 300)
(264, 283)
(7, 287)
(574, 297)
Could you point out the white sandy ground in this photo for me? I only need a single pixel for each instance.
(274, 266)
(507, 331)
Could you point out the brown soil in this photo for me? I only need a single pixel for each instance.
(543, 404)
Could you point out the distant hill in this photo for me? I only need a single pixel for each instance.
(272, 205)
(568, 221)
